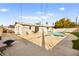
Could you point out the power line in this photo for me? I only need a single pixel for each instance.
(21, 12)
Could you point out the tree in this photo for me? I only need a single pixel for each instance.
(60, 23)
(64, 23)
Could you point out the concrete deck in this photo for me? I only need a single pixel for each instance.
(64, 48)
(22, 47)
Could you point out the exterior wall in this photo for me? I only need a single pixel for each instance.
(40, 29)
(44, 28)
(23, 30)
(64, 29)
(32, 28)
(1, 31)
(17, 29)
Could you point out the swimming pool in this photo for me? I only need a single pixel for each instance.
(57, 33)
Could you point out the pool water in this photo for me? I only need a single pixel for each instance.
(57, 33)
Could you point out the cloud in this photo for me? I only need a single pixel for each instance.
(3, 10)
(29, 17)
(34, 17)
(62, 8)
(51, 14)
(39, 18)
(43, 17)
(39, 12)
(47, 14)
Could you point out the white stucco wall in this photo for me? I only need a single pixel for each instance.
(17, 28)
(32, 28)
(44, 28)
(21, 30)
(24, 30)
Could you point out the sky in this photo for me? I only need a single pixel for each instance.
(37, 12)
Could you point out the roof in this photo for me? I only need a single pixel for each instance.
(29, 24)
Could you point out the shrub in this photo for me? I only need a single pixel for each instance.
(76, 42)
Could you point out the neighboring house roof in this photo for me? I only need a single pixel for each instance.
(11, 26)
(29, 24)
(24, 24)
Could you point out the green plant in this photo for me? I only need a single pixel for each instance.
(64, 23)
(76, 42)
(76, 34)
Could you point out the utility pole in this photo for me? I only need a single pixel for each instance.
(43, 38)
(76, 23)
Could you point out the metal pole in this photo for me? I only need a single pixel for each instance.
(43, 41)
(76, 23)
(44, 11)
(43, 38)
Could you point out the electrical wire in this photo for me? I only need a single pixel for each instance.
(21, 12)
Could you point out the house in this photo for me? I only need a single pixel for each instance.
(25, 28)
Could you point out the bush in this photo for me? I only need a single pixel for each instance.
(76, 42)
(76, 34)
(4, 31)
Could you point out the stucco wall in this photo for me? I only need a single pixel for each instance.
(19, 29)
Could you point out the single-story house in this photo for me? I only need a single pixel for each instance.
(24, 28)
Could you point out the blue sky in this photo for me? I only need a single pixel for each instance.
(31, 12)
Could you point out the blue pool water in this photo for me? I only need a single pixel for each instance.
(57, 33)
